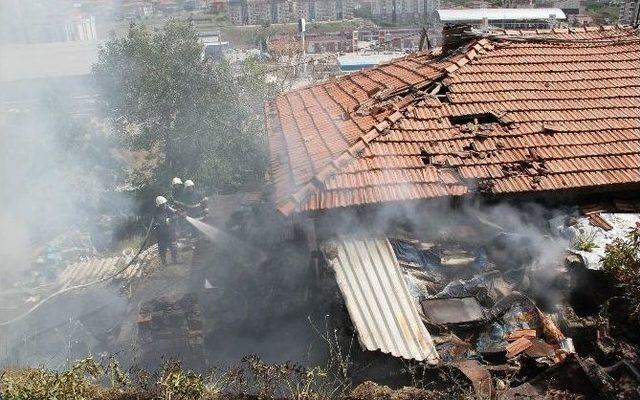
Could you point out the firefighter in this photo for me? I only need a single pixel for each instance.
(177, 192)
(164, 225)
(194, 203)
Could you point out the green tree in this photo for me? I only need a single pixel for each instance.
(196, 118)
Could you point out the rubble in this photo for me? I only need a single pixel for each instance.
(453, 311)
(172, 326)
(497, 313)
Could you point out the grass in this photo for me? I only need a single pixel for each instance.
(252, 379)
(585, 241)
(91, 379)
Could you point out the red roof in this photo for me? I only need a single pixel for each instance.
(522, 111)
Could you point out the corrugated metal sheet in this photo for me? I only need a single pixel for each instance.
(478, 14)
(94, 269)
(378, 300)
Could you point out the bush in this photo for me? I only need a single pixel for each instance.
(42, 384)
(622, 262)
(622, 257)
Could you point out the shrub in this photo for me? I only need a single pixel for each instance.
(585, 241)
(42, 384)
(622, 262)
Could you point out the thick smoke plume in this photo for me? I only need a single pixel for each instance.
(58, 171)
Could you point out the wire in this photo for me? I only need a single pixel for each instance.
(85, 285)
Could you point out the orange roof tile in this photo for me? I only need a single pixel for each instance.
(532, 111)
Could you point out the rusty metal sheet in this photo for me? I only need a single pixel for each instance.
(479, 376)
(378, 300)
(463, 310)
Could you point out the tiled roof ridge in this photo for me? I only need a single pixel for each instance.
(456, 61)
(562, 31)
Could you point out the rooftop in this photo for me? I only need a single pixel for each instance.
(356, 61)
(478, 14)
(515, 112)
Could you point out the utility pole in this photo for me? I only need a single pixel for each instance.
(301, 30)
(424, 38)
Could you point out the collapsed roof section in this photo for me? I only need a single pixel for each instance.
(520, 111)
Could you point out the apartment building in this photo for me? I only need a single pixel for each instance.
(394, 11)
(629, 12)
(254, 12)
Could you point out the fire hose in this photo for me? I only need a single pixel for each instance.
(84, 285)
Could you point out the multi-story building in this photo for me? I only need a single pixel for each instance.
(280, 11)
(136, 9)
(301, 9)
(397, 10)
(629, 12)
(236, 12)
(324, 10)
(253, 12)
(191, 5)
(217, 5)
(36, 22)
(258, 12)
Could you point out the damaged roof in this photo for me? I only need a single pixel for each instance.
(519, 111)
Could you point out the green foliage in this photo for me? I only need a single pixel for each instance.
(253, 378)
(42, 384)
(364, 12)
(602, 13)
(622, 262)
(622, 257)
(585, 241)
(193, 117)
(177, 384)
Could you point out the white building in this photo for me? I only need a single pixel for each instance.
(514, 18)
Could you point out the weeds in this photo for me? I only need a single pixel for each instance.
(622, 257)
(178, 384)
(337, 382)
(585, 241)
(622, 262)
(254, 378)
(42, 384)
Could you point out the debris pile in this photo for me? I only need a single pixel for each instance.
(49, 259)
(512, 321)
(473, 309)
(172, 326)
